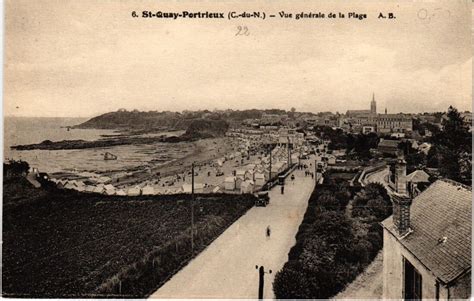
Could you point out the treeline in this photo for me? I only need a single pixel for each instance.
(337, 239)
(451, 150)
(358, 145)
(15, 168)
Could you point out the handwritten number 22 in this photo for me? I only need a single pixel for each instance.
(242, 31)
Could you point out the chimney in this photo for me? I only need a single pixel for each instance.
(401, 213)
(401, 176)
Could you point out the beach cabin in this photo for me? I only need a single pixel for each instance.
(238, 182)
(259, 179)
(220, 162)
(199, 187)
(99, 189)
(70, 185)
(89, 188)
(294, 158)
(148, 190)
(80, 186)
(247, 186)
(229, 183)
(120, 192)
(250, 166)
(249, 175)
(187, 188)
(102, 179)
(331, 160)
(277, 168)
(60, 184)
(109, 189)
(134, 191)
(240, 173)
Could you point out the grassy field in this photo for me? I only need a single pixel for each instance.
(67, 244)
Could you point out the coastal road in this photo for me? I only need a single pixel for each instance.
(226, 269)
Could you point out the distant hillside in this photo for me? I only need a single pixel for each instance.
(155, 121)
(206, 128)
(135, 120)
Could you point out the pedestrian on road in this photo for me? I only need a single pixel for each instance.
(268, 231)
(282, 189)
(312, 175)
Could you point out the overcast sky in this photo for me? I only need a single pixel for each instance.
(83, 58)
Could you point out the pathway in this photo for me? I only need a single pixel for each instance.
(379, 177)
(226, 269)
(368, 285)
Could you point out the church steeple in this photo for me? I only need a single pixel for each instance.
(373, 105)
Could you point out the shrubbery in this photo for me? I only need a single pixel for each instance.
(333, 247)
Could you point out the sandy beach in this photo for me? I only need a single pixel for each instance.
(206, 150)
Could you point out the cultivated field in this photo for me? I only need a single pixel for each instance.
(67, 244)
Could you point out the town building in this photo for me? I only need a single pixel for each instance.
(390, 123)
(388, 147)
(361, 120)
(427, 242)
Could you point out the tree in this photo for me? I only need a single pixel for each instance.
(451, 147)
(361, 144)
(291, 283)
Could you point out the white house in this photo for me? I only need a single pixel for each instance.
(427, 244)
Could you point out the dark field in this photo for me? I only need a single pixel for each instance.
(67, 244)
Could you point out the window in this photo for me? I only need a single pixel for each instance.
(412, 282)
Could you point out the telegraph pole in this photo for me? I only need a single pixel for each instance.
(192, 208)
(289, 152)
(261, 280)
(270, 175)
(316, 171)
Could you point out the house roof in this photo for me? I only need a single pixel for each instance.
(418, 176)
(388, 143)
(443, 210)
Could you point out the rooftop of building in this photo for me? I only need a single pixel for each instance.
(440, 220)
(417, 176)
(390, 143)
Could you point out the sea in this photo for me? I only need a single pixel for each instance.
(26, 130)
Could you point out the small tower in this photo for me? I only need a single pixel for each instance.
(373, 105)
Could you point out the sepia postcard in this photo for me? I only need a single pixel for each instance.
(223, 149)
